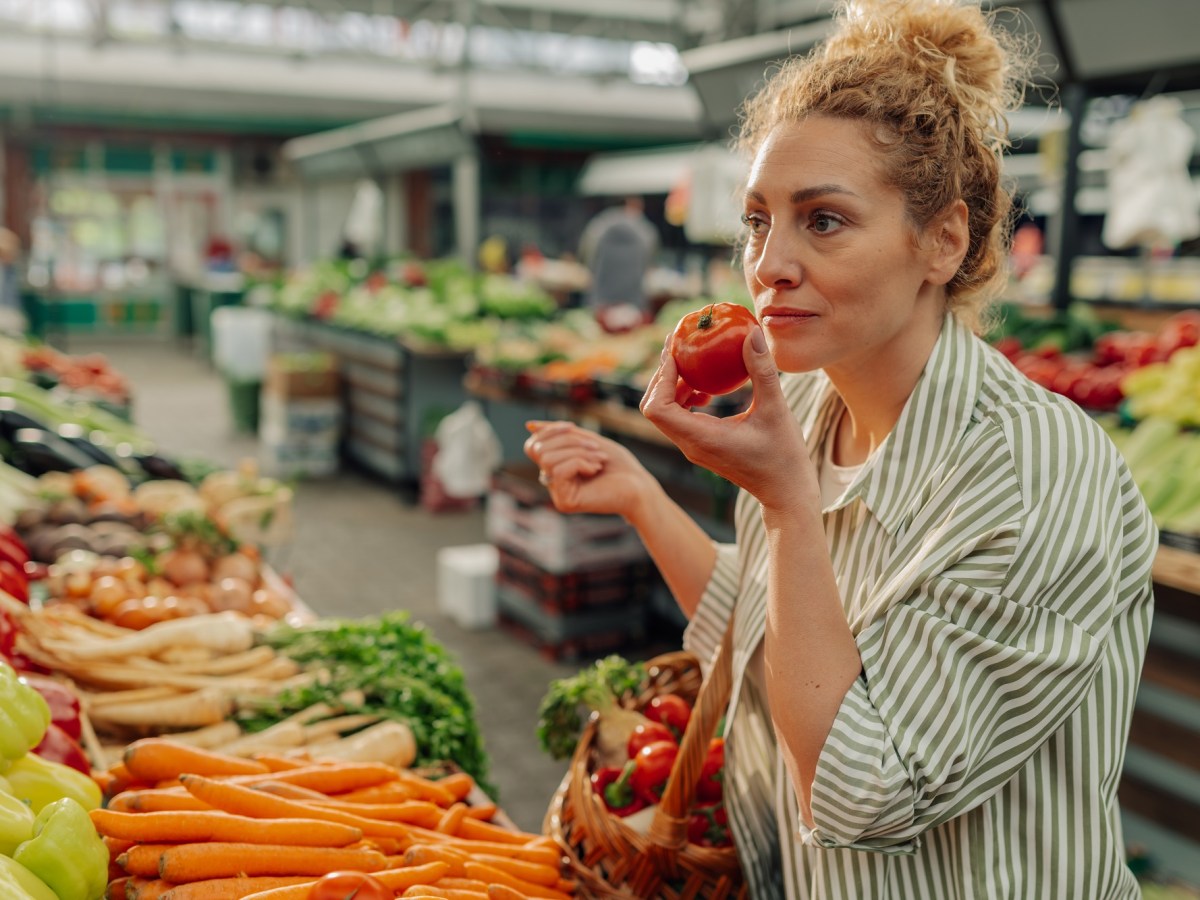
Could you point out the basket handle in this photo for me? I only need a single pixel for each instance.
(668, 829)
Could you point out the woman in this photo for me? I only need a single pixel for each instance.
(940, 592)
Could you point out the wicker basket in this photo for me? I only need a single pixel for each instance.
(612, 861)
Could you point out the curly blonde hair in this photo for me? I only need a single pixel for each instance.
(936, 80)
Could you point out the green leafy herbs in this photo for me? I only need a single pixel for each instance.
(400, 671)
(601, 687)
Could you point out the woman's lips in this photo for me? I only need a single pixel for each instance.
(784, 318)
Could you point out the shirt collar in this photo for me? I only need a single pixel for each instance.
(934, 419)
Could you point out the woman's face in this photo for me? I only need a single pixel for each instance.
(838, 280)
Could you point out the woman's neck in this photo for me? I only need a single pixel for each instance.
(875, 395)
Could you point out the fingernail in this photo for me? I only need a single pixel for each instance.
(757, 341)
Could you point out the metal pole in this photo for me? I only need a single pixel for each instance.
(1066, 240)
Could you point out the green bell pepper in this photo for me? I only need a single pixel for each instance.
(18, 883)
(40, 782)
(16, 823)
(66, 852)
(24, 715)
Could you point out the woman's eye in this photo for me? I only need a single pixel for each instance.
(824, 223)
(756, 224)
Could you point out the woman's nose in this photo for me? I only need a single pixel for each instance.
(777, 263)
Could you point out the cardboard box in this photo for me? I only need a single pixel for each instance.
(302, 375)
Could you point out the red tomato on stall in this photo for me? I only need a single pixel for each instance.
(707, 347)
(652, 767)
(349, 886)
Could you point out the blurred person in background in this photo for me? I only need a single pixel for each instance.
(618, 246)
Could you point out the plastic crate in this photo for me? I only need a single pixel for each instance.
(569, 592)
(521, 519)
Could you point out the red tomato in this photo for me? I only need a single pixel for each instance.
(652, 767)
(671, 710)
(707, 347)
(712, 776)
(648, 733)
(349, 886)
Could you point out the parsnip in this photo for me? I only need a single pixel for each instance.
(280, 736)
(210, 737)
(98, 699)
(335, 727)
(389, 742)
(205, 707)
(234, 663)
(224, 632)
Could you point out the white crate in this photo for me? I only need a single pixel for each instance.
(467, 584)
(560, 543)
(297, 458)
(283, 419)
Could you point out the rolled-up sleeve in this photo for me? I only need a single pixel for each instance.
(962, 683)
(703, 634)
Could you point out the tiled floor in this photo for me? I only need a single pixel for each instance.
(359, 549)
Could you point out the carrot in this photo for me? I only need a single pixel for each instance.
(141, 860)
(484, 811)
(290, 791)
(388, 792)
(217, 825)
(146, 889)
(220, 859)
(338, 778)
(537, 873)
(279, 763)
(492, 875)
(159, 759)
(116, 846)
(422, 890)
(415, 812)
(486, 831)
(118, 778)
(246, 801)
(425, 788)
(152, 800)
(459, 784)
(543, 855)
(567, 885)
(451, 819)
(504, 892)
(116, 889)
(234, 888)
(422, 854)
(463, 884)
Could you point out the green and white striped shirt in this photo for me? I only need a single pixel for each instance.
(993, 557)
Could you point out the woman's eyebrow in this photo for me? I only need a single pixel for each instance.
(804, 195)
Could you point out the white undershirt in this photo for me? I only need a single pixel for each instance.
(833, 480)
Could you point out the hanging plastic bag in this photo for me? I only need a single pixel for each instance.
(468, 452)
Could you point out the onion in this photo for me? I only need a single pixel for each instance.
(236, 565)
(233, 594)
(270, 603)
(183, 566)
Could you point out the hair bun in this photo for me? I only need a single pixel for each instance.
(956, 45)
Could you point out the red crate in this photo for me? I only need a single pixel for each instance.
(566, 592)
(569, 650)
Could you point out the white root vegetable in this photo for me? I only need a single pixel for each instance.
(388, 742)
(320, 732)
(614, 727)
(279, 737)
(133, 695)
(205, 707)
(246, 662)
(225, 632)
(210, 737)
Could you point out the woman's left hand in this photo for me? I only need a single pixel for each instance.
(761, 449)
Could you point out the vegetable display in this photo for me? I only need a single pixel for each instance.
(273, 829)
(386, 666)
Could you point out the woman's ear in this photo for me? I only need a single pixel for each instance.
(948, 242)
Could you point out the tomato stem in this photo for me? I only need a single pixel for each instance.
(705, 320)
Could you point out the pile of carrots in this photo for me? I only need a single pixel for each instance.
(184, 823)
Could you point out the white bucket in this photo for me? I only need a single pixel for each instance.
(241, 342)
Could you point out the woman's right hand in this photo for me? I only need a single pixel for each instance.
(587, 473)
